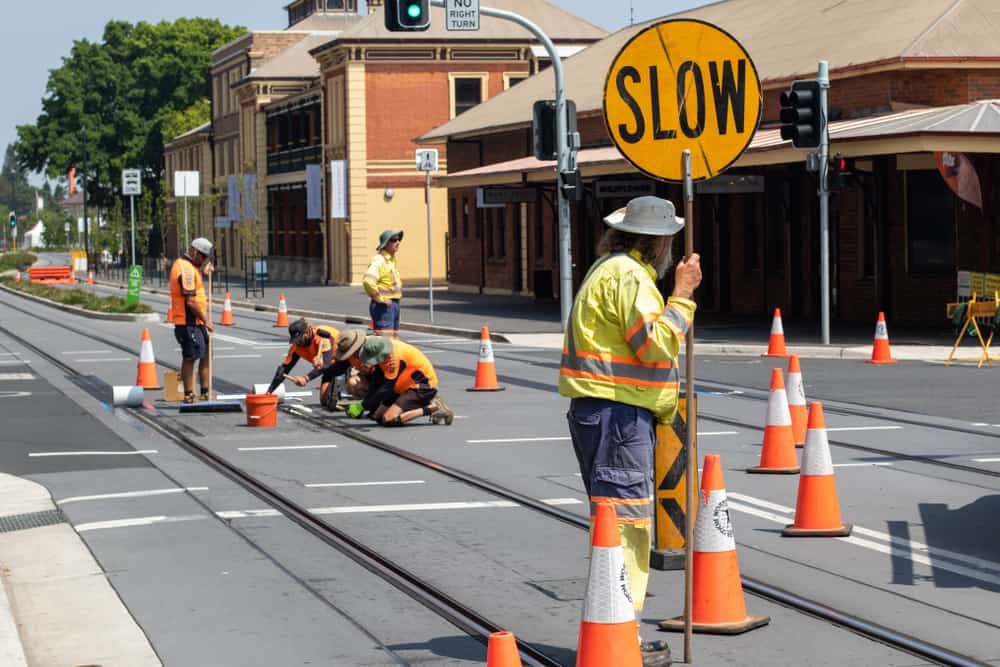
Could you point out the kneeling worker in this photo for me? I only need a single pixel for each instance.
(404, 384)
(314, 343)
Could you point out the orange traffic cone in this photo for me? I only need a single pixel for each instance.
(486, 369)
(881, 352)
(817, 512)
(796, 401)
(146, 376)
(282, 312)
(776, 346)
(608, 632)
(90, 277)
(227, 312)
(718, 606)
(778, 453)
(501, 650)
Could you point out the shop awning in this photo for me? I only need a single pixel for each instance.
(968, 128)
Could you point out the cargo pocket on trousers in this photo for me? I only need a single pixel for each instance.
(620, 483)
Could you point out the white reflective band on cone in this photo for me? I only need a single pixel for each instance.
(776, 327)
(777, 409)
(609, 599)
(486, 351)
(816, 455)
(146, 353)
(794, 390)
(713, 531)
(881, 331)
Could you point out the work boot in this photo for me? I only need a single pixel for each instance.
(655, 653)
(204, 396)
(189, 397)
(443, 414)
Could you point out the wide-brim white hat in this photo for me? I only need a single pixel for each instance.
(648, 215)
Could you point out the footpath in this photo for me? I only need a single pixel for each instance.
(523, 321)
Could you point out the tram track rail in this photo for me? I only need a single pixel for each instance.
(466, 619)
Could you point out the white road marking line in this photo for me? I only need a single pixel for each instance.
(239, 341)
(95, 453)
(10, 354)
(131, 523)
(980, 424)
(986, 460)
(88, 352)
(103, 360)
(130, 494)
(217, 349)
(498, 440)
(14, 362)
(702, 433)
(16, 376)
(865, 428)
(238, 356)
(279, 448)
(327, 485)
(909, 545)
(412, 507)
(861, 465)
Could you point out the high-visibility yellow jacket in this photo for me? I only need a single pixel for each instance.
(382, 279)
(622, 342)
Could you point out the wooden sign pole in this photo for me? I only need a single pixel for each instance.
(692, 424)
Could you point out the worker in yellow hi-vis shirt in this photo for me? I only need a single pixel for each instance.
(384, 286)
(619, 367)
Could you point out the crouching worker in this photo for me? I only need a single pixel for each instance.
(403, 386)
(315, 344)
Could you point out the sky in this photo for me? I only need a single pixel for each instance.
(32, 43)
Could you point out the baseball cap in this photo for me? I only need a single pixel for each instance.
(296, 329)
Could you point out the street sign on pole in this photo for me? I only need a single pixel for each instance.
(682, 85)
(427, 161)
(682, 101)
(134, 285)
(461, 15)
(131, 182)
(186, 185)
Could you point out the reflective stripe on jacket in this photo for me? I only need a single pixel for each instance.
(317, 349)
(185, 281)
(622, 342)
(382, 279)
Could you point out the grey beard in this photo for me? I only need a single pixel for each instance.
(664, 264)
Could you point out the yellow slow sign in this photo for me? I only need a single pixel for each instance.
(682, 84)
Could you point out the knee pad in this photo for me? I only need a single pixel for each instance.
(398, 421)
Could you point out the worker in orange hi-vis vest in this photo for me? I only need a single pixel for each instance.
(188, 305)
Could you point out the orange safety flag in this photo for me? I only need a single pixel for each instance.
(72, 181)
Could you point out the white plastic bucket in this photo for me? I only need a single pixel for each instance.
(127, 397)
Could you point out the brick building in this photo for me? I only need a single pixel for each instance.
(327, 112)
(905, 82)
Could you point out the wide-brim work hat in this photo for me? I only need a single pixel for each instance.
(650, 216)
(375, 350)
(349, 343)
(387, 236)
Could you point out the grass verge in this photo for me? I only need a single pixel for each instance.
(16, 260)
(78, 298)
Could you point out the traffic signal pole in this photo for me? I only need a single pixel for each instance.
(824, 201)
(566, 158)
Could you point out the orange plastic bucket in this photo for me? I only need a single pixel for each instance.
(262, 410)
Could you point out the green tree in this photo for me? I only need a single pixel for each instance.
(179, 122)
(15, 191)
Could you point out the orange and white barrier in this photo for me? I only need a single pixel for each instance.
(718, 606)
(777, 456)
(146, 375)
(227, 312)
(501, 650)
(881, 351)
(796, 401)
(608, 632)
(817, 510)
(486, 367)
(282, 312)
(776, 345)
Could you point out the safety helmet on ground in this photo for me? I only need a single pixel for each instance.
(649, 216)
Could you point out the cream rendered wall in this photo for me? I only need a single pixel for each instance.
(406, 211)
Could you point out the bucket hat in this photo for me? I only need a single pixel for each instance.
(202, 245)
(375, 350)
(349, 343)
(387, 236)
(650, 216)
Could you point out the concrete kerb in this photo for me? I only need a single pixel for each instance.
(92, 314)
(472, 334)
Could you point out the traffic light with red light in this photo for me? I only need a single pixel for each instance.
(407, 15)
(841, 171)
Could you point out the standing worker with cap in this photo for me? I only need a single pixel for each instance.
(404, 383)
(188, 304)
(619, 367)
(384, 286)
(315, 344)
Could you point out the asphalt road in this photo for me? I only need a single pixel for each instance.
(924, 559)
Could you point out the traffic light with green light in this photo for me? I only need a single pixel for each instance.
(407, 15)
(13, 220)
